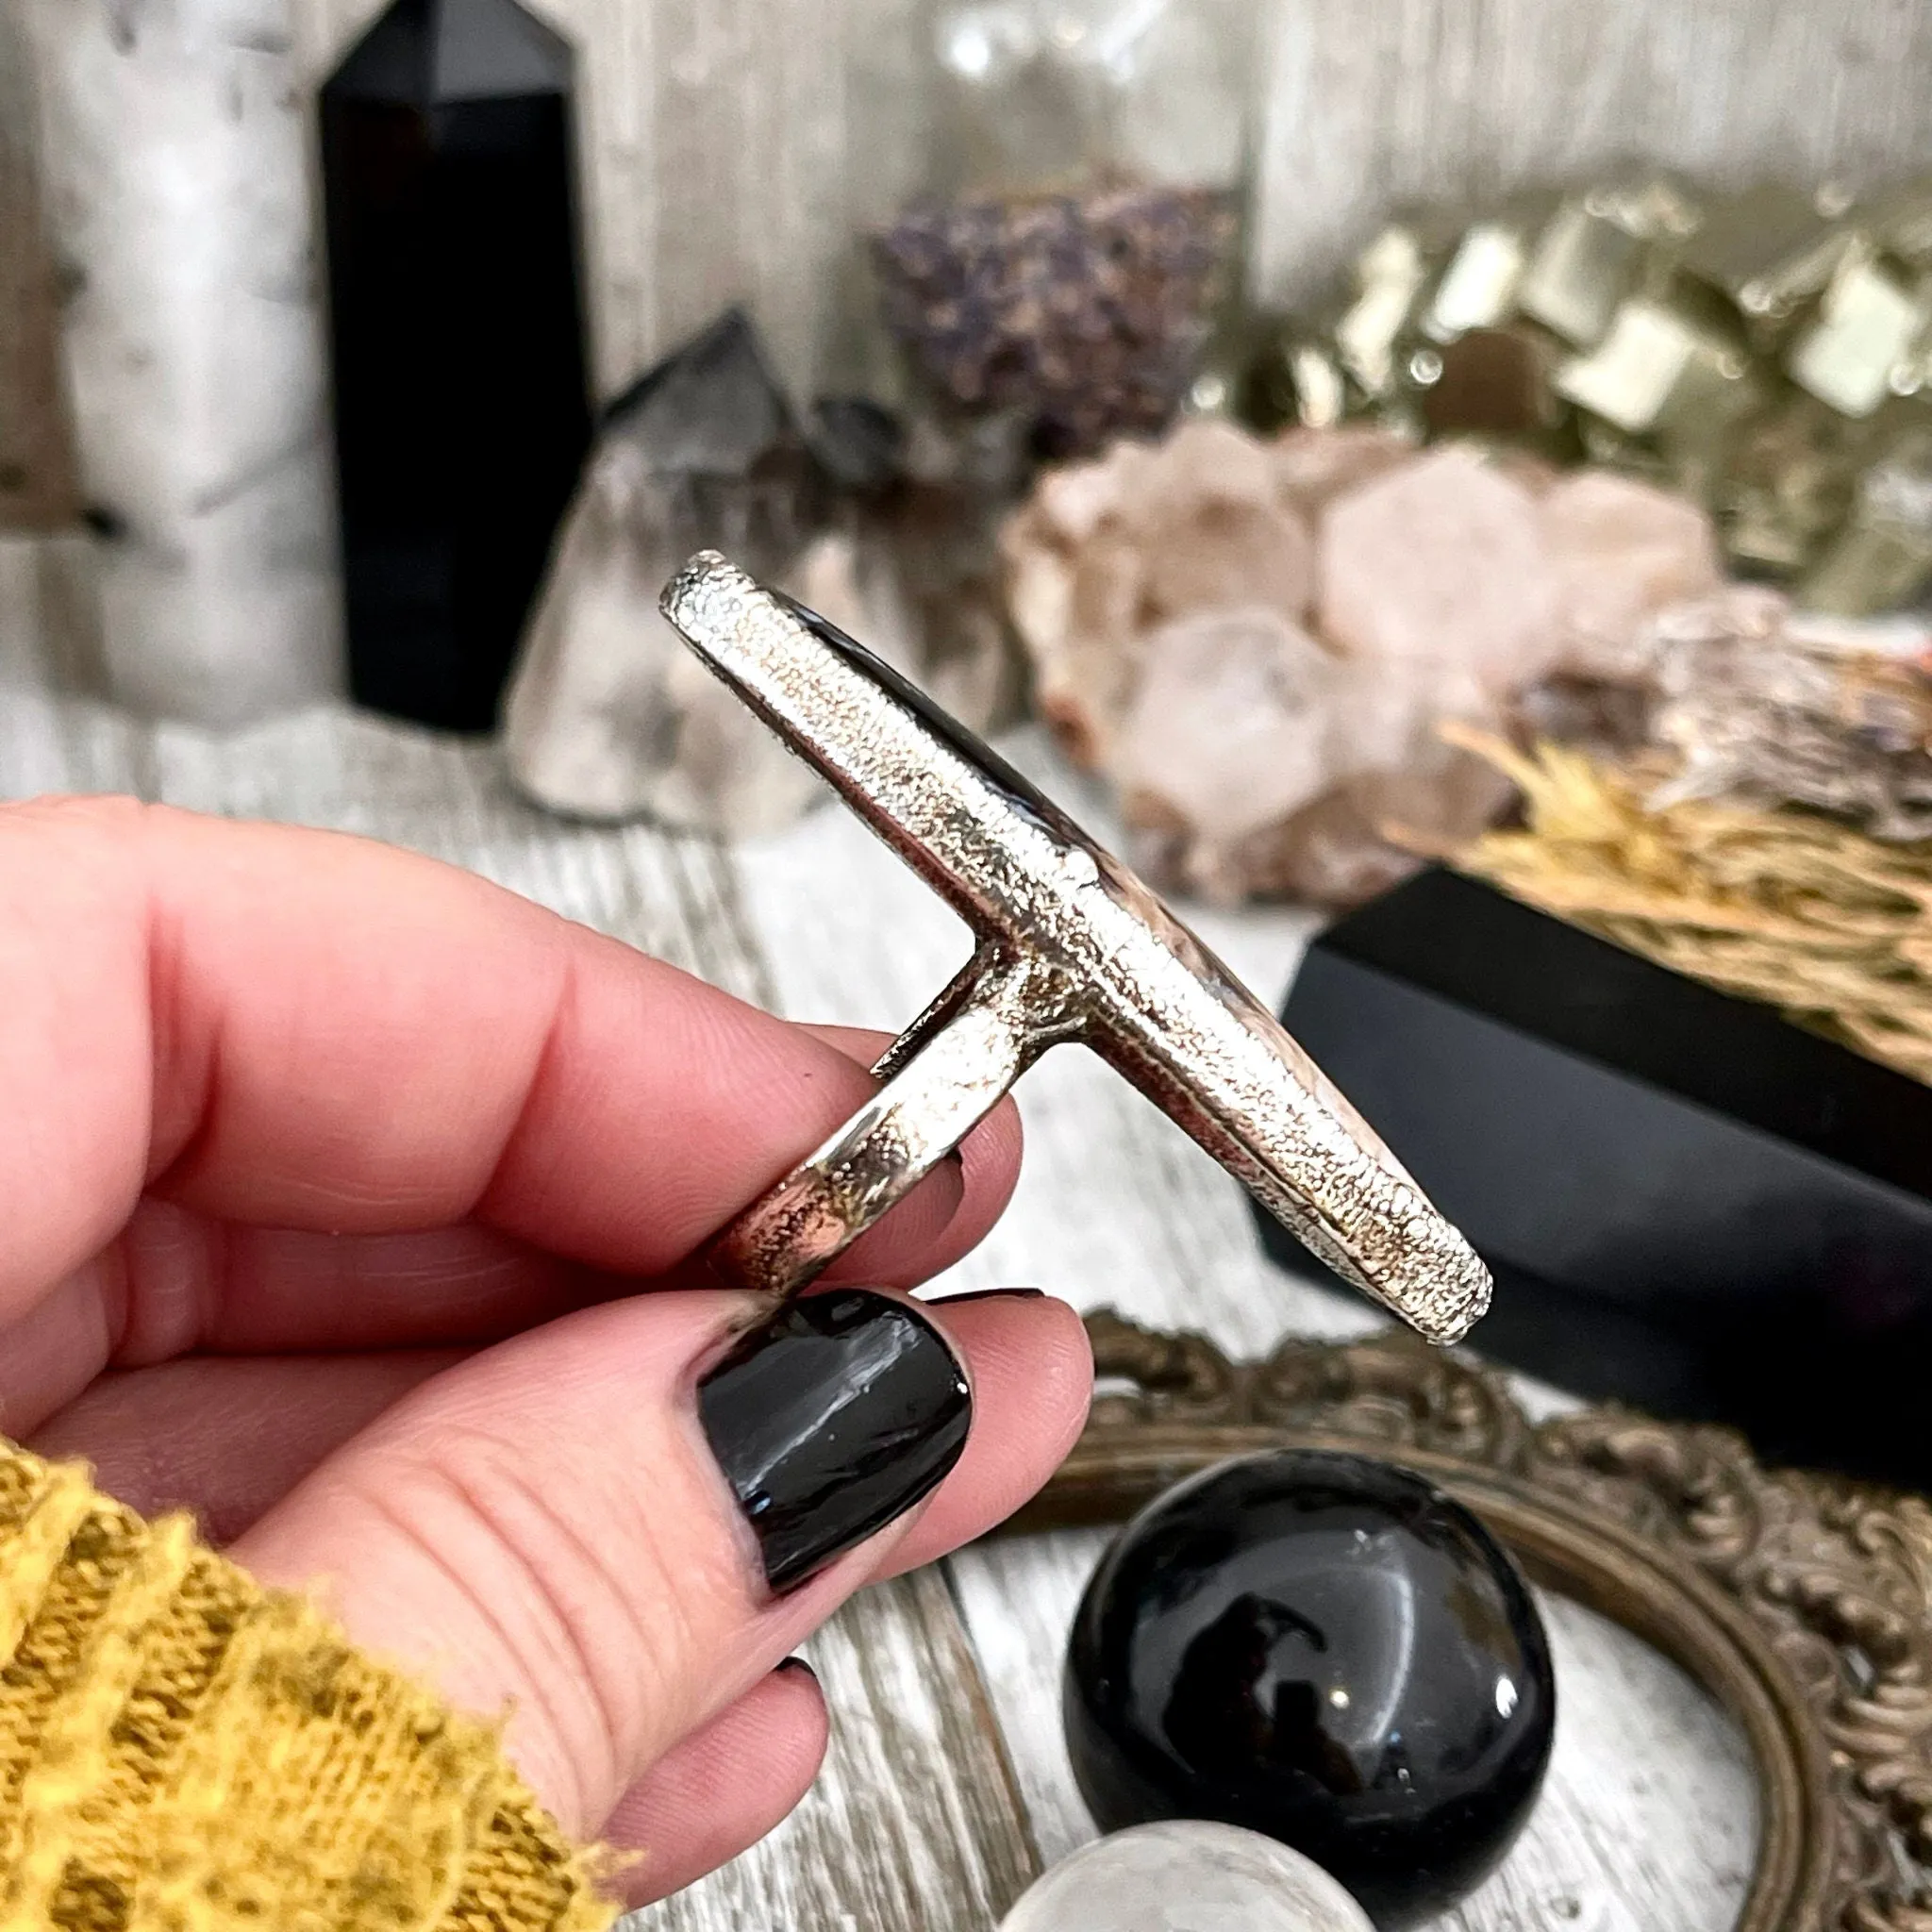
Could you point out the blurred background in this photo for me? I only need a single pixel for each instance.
(165, 277)
(333, 341)
(1321, 440)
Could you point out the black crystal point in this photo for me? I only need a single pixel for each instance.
(1326, 1649)
(462, 408)
(1689, 1203)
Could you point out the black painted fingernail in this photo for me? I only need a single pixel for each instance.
(987, 1294)
(833, 1418)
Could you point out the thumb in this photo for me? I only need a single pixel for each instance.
(616, 1524)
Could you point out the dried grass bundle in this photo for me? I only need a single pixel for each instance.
(1786, 906)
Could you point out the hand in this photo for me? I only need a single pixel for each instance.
(334, 1185)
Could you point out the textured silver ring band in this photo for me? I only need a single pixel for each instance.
(1072, 946)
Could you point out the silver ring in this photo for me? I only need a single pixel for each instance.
(1072, 946)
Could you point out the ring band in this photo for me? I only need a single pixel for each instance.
(1072, 946)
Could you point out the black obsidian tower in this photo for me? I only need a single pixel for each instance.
(461, 407)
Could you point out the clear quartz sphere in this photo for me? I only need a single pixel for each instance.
(1185, 1876)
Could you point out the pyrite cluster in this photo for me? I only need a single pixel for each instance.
(1768, 353)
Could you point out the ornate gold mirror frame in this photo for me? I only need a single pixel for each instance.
(1803, 1603)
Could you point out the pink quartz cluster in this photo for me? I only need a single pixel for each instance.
(1258, 639)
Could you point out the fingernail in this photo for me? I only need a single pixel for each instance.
(829, 1421)
(987, 1294)
(798, 1664)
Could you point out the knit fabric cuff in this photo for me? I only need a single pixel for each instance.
(183, 1750)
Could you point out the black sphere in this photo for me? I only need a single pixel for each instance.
(1326, 1649)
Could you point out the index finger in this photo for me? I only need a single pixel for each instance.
(300, 1029)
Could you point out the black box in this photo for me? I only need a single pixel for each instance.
(1690, 1204)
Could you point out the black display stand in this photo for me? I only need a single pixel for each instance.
(1689, 1203)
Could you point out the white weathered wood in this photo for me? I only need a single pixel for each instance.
(36, 484)
(1441, 100)
(914, 1821)
(731, 146)
(915, 1826)
(50, 631)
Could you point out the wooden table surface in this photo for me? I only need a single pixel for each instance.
(946, 1786)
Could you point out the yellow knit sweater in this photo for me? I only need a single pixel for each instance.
(182, 1751)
